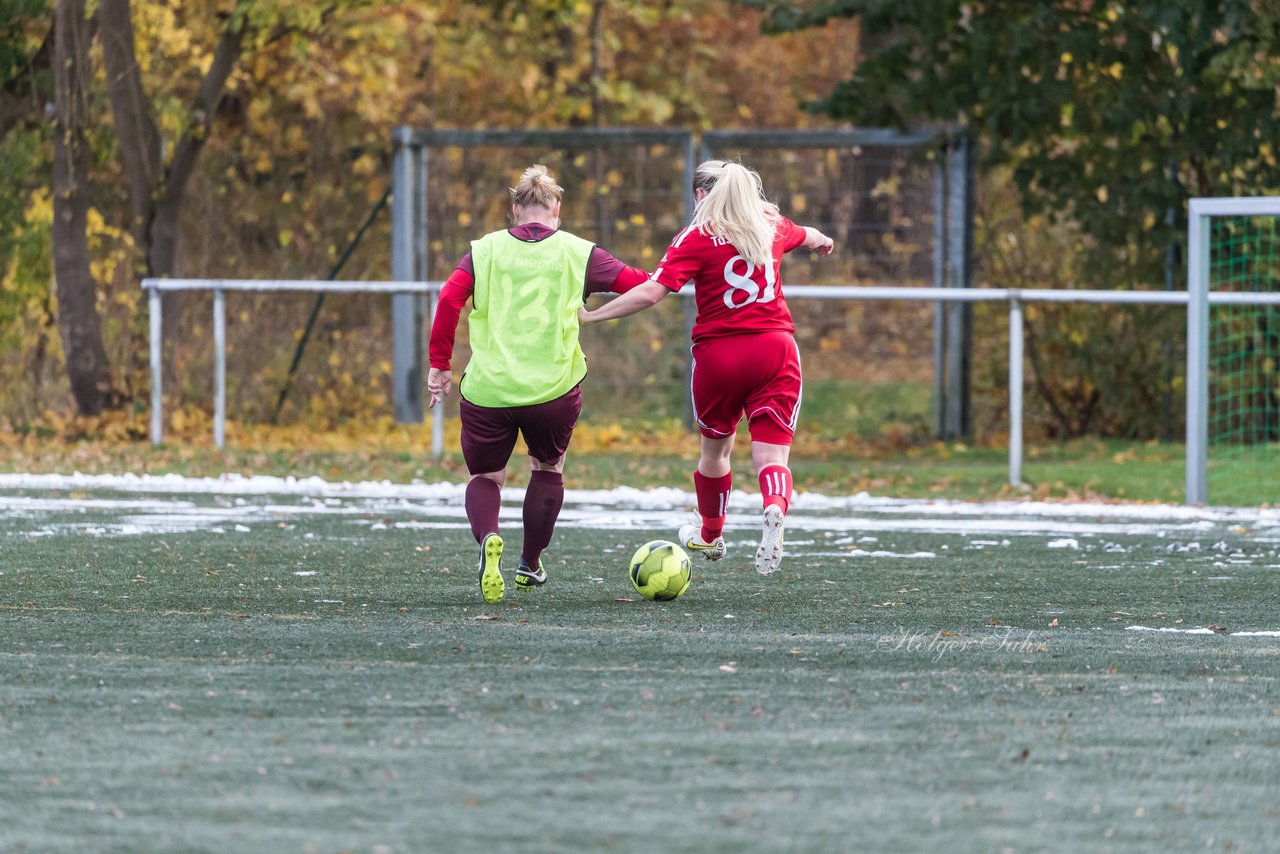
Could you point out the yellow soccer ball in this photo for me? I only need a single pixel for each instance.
(660, 571)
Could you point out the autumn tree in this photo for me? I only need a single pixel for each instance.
(1112, 113)
(158, 175)
(26, 87)
(1108, 116)
(158, 184)
(249, 138)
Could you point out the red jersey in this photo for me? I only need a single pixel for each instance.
(734, 295)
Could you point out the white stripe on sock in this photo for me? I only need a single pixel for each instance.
(778, 482)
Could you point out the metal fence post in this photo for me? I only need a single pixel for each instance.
(1015, 390)
(959, 248)
(219, 368)
(406, 308)
(939, 308)
(157, 366)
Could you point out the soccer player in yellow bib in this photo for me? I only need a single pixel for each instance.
(526, 284)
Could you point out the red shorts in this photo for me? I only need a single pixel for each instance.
(757, 375)
(489, 433)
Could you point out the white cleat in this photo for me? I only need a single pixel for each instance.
(769, 555)
(691, 541)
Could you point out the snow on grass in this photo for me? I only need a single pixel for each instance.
(240, 501)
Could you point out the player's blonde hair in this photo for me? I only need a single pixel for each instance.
(536, 187)
(735, 209)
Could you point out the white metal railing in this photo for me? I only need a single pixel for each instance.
(156, 287)
(1014, 296)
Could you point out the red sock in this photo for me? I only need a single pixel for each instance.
(713, 502)
(484, 498)
(775, 486)
(542, 502)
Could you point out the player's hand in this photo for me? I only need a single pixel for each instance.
(584, 316)
(439, 384)
(817, 241)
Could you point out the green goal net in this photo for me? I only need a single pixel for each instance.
(1242, 441)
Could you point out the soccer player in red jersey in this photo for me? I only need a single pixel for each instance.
(745, 360)
(526, 285)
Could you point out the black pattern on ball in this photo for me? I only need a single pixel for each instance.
(660, 570)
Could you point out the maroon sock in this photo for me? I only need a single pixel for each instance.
(775, 486)
(484, 498)
(713, 502)
(542, 502)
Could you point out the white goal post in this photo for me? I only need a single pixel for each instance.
(1201, 294)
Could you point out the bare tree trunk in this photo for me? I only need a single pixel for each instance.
(78, 319)
(135, 128)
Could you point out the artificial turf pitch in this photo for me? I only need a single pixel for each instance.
(171, 690)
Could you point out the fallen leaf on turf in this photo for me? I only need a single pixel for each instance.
(993, 622)
(484, 617)
(1053, 624)
(729, 668)
(949, 634)
(1218, 629)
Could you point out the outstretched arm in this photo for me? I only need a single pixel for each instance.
(637, 299)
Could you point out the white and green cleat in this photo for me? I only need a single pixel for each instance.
(491, 583)
(691, 541)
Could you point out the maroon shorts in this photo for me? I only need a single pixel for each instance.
(489, 433)
(757, 375)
